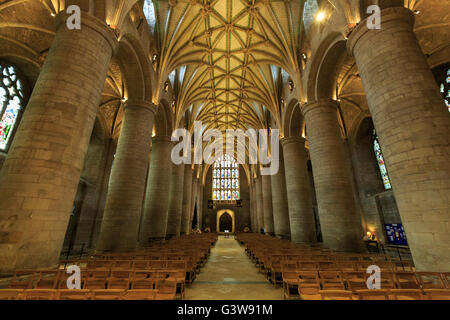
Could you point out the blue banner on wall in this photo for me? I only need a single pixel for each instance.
(396, 234)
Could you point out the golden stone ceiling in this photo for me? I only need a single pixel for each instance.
(228, 54)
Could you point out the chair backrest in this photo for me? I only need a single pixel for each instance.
(73, 294)
(406, 294)
(47, 279)
(437, 294)
(140, 294)
(11, 294)
(39, 294)
(430, 280)
(406, 280)
(375, 294)
(336, 294)
(109, 294)
(22, 279)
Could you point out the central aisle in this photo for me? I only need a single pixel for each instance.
(230, 275)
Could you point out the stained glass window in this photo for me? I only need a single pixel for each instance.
(444, 88)
(149, 11)
(380, 161)
(225, 183)
(11, 103)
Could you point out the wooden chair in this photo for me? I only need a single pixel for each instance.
(355, 280)
(22, 279)
(119, 279)
(308, 284)
(140, 294)
(406, 294)
(142, 280)
(11, 294)
(406, 280)
(375, 294)
(336, 295)
(39, 294)
(167, 289)
(331, 280)
(437, 294)
(430, 280)
(107, 294)
(73, 294)
(446, 277)
(47, 279)
(290, 283)
(307, 265)
(95, 279)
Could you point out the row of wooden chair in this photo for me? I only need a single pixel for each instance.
(310, 282)
(84, 294)
(164, 280)
(389, 294)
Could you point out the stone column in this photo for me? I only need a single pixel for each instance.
(340, 223)
(299, 200)
(259, 204)
(40, 175)
(200, 204)
(193, 201)
(279, 201)
(175, 201)
(154, 222)
(267, 203)
(252, 207)
(413, 126)
(120, 225)
(187, 196)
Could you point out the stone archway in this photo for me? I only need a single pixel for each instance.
(225, 221)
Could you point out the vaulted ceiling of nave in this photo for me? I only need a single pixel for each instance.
(231, 56)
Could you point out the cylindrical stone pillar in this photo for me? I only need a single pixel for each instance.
(299, 200)
(154, 222)
(259, 204)
(253, 207)
(267, 203)
(279, 201)
(175, 201)
(120, 224)
(187, 196)
(200, 205)
(340, 223)
(193, 202)
(40, 175)
(413, 126)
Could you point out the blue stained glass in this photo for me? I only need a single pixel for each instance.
(228, 184)
(11, 100)
(381, 164)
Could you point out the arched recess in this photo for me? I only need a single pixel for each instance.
(329, 69)
(163, 120)
(135, 68)
(293, 122)
(313, 69)
(219, 215)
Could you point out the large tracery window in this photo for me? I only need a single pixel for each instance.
(225, 181)
(11, 103)
(380, 161)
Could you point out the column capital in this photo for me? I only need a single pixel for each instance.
(141, 104)
(292, 139)
(387, 15)
(93, 23)
(319, 103)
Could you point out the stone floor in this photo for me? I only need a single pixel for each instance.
(230, 275)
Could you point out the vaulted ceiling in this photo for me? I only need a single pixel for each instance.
(230, 56)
